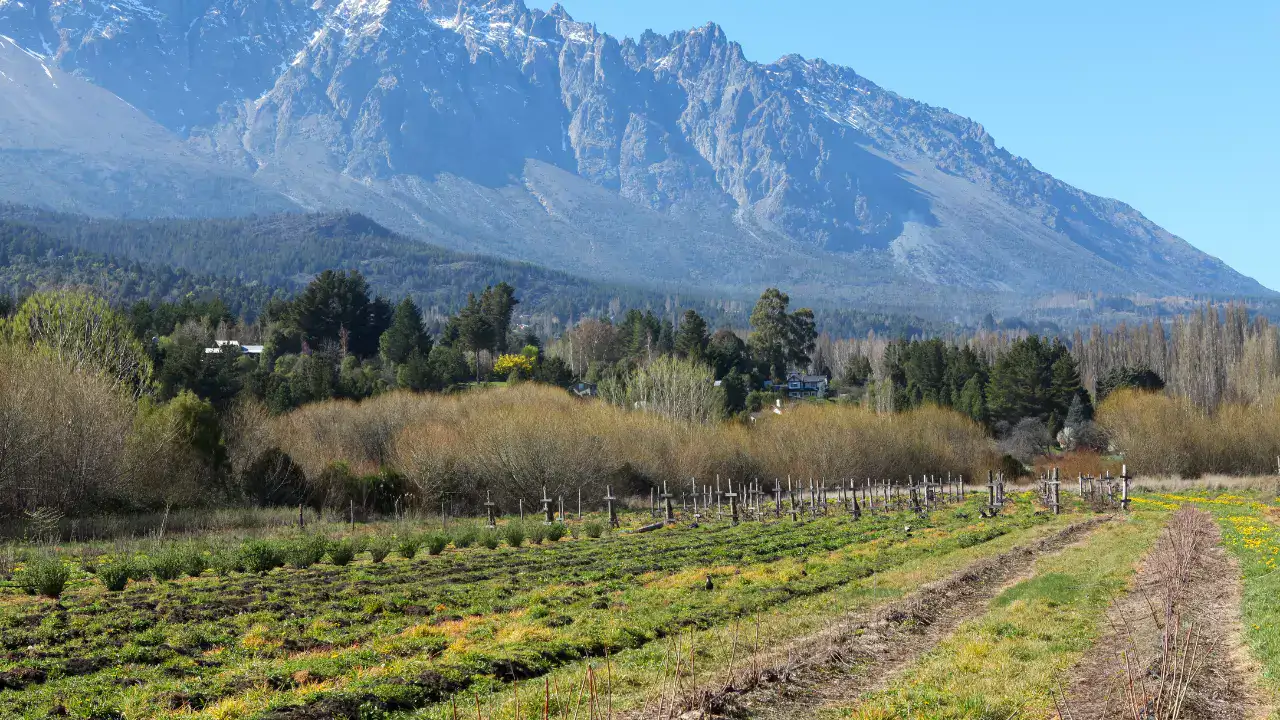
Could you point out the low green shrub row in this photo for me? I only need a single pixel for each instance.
(48, 574)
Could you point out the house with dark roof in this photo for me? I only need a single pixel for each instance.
(799, 385)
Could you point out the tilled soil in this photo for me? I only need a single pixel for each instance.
(864, 650)
(1223, 681)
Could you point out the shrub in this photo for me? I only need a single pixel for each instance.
(1163, 435)
(465, 536)
(194, 562)
(167, 564)
(408, 547)
(306, 551)
(593, 528)
(537, 533)
(115, 574)
(436, 543)
(514, 534)
(489, 539)
(342, 552)
(379, 548)
(44, 575)
(1012, 468)
(260, 556)
(1029, 438)
(226, 561)
(556, 531)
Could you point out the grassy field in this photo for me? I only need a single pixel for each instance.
(366, 638)
(1011, 660)
(406, 620)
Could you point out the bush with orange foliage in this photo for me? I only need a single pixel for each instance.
(1079, 462)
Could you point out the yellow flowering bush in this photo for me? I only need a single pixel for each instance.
(514, 366)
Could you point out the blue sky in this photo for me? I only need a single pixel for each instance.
(1173, 107)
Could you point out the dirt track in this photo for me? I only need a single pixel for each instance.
(1224, 685)
(865, 650)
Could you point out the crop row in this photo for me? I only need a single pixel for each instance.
(441, 621)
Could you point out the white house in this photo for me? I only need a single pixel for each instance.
(233, 346)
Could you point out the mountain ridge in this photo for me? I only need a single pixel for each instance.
(486, 126)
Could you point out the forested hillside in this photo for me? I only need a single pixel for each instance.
(284, 252)
(31, 260)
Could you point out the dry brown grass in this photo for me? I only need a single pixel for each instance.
(1163, 435)
(513, 441)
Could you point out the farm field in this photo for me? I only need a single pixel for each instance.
(950, 615)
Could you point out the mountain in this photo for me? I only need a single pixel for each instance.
(487, 126)
(68, 144)
(248, 261)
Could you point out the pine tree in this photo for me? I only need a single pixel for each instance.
(1081, 410)
(691, 339)
(666, 339)
(1020, 383)
(474, 328)
(770, 330)
(336, 308)
(497, 303)
(405, 335)
(972, 402)
(1064, 379)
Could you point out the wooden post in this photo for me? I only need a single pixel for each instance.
(666, 496)
(520, 502)
(777, 499)
(546, 507)
(991, 490)
(608, 500)
(488, 506)
(718, 513)
(302, 520)
(579, 502)
(352, 508)
(1124, 487)
(733, 502)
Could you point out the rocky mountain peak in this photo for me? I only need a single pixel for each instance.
(490, 126)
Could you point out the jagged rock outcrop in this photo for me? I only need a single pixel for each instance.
(490, 126)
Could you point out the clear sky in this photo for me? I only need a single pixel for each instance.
(1172, 107)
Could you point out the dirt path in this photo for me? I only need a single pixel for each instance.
(1222, 676)
(863, 650)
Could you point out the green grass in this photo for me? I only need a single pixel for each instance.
(1006, 663)
(404, 634)
(639, 675)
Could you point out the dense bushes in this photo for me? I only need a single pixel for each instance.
(65, 434)
(514, 441)
(1163, 435)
